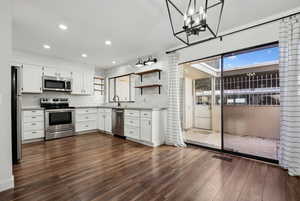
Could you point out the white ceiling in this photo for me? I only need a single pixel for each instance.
(135, 27)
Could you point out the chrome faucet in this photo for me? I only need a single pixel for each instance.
(114, 99)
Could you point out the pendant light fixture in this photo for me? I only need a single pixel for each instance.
(194, 19)
(150, 61)
(139, 63)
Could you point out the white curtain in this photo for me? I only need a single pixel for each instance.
(289, 67)
(174, 134)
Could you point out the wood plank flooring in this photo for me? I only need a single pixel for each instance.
(96, 166)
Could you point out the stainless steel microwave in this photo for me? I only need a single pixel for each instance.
(57, 84)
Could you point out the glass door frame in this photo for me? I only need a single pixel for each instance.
(222, 150)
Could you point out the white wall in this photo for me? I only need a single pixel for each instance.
(20, 57)
(150, 97)
(6, 175)
(249, 38)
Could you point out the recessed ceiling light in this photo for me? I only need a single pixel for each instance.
(107, 42)
(84, 55)
(46, 46)
(113, 62)
(63, 27)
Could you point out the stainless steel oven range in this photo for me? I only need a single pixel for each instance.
(59, 118)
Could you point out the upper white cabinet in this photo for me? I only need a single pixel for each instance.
(83, 83)
(77, 83)
(54, 72)
(88, 83)
(32, 79)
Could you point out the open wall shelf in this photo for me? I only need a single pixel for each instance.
(156, 70)
(99, 83)
(149, 86)
(148, 72)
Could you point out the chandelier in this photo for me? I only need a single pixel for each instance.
(193, 19)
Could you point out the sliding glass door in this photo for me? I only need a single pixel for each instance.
(251, 102)
(231, 102)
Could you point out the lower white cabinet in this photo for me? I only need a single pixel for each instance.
(105, 120)
(132, 132)
(145, 126)
(32, 125)
(146, 129)
(86, 119)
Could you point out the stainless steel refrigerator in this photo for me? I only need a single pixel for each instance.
(16, 109)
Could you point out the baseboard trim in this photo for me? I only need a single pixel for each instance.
(7, 184)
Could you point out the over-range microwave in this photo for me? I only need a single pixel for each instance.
(57, 84)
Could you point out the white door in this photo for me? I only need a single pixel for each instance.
(146, 130)
(101, 121)
(48, 71)
(77, 83)
(32, 79)
(203, 117)
(108, 124)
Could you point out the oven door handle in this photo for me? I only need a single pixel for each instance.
(60, 111)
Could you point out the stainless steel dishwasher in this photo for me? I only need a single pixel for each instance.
(118, 122)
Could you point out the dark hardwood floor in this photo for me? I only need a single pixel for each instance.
(101, 167)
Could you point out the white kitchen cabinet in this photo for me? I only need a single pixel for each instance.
(146, 129)
(32, 79)
(50, 72)
(132, 124)
(32, 125)
(54, 72)
(88, 82)
(101, 121)
(108, 122)
(77, 83)
(105, 120)
(83, 83)
(86, 119)
(145, 126)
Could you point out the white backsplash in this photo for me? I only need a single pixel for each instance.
(29, 100)
(150, 97)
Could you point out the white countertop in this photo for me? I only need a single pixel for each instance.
(32, 108)
(99, 106)
(125, 107)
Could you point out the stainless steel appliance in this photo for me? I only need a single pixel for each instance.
(118, 122)
(57, 84)
(16, 107)
(59, 118)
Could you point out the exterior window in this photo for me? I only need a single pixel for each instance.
(252, 77)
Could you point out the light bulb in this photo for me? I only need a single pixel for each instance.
(201, 10)
(185, 17)
(188, 21)
(191, 11)
(197, 20)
